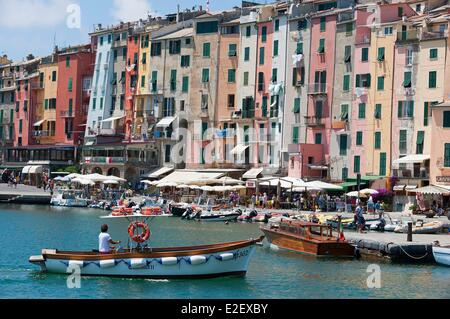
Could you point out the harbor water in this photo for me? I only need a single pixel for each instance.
(25, 230)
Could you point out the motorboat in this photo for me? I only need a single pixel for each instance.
(441, 254)
(419, 227)
(309, 238)
(69, 198)
(140, 260)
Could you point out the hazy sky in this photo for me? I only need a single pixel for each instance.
(32, 26)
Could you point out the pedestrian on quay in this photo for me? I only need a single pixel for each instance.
(360, 220)
(253, 201)
(265, 199)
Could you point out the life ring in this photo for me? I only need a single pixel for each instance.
(122, 211)
(142, 237)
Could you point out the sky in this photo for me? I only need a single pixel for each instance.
(34, 26)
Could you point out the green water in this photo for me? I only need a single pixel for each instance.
(25, 230)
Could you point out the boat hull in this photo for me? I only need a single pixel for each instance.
(293, 243)
(170, 263)
(219, 218)
(442, 255)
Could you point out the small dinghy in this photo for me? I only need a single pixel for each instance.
(434, 227)
(141, 261)
(442, 254)
(219, 216)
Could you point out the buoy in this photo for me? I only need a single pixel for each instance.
(137, 263)
(197, 260)
(169, 261)
(76, 263)
(226, 256)
(109, 263)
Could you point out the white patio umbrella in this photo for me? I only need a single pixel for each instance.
(168, 184)
(73, 175)
(83, 181)
(368, 191)
(194, 187)
(111, 182)
(322, 185)
(115, 178)
(355, 194)
(182, 186)
(207, 188)
(147, 182)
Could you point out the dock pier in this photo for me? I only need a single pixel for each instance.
(23, 194)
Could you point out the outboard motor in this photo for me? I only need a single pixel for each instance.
(238, 211)
(253, 213)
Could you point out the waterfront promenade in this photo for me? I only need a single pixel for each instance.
(24, 194)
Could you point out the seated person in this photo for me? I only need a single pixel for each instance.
(104, 241)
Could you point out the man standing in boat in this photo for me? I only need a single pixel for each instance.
(104, 241)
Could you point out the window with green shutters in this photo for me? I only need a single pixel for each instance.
(377, 111)
(362, 110)
(275, 48)
(11, 116)
(323, 23)
(295, 135)
(70, 84)
(381, 55)
(405, 109)
(446, 119)
(343, 144)
(232, 49)
(344, 173)
(426, 113)
(359, 138)
(101, 103)
(407, 79)
(357, 164)
(299, 49)
(264, 34)
(402, 144)
(115, 54)
(185, 84)
(274, 75)
(377, 140)
(277, 25)
(346, 84)
(67, 61)
(264, 106)
(433, 54)
(70, 107)
(246, 78)
(143, 81)
(46, 104)
(205, 75)
(420, 141)
(297, 105)
(364, 54)
(173, 80)
(344, 112)
(447, 155)
(432, 76)
(144, 58)
(206, 50)
(321, 48)
(1, 116)
(54, 76)
(318, 138)
(154, 81)
(382, 164)
(349, 29)
(94, 102)
(347, 54)
(20, 126)
(380, 83)
(247, 54)
(261, 56)
(231, 75)
(185, 61)
(122, 102)
(248, 31)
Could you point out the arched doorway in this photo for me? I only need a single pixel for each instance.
(97, 170)
(114, 171)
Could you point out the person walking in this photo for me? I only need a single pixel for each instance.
(360, 221)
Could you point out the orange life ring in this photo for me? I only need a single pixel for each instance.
(150, 211)
(142, 237)
(122, 211)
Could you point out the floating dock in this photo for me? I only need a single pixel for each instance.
(23, 194)
(394, 247)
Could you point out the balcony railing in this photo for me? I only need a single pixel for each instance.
(317, 88)
(430, 35)
(42, 133)
(403, 36)
(420, 173)
(66, 114)
(105, 160)
(314, 121)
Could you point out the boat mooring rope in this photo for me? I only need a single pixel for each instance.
(413, 257)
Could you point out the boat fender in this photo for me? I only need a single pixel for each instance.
(76, 263)
(136, 263)
(107, 263)
(197, 260)
(169, 261)
(226, 256)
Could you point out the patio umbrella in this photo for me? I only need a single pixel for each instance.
(207, 188)
(110, 182)
(355, 194)
(368, 191)
(168, 184)
(83, 181)
(182, 186)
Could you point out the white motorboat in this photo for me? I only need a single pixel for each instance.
(68, 198)
(141, 261)
(442, 255)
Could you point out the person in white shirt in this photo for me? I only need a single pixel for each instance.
(104, 241)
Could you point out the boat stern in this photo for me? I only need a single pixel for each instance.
(38, 261)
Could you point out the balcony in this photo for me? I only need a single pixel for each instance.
(317, 89)
(416, 173)
(162, 134)
(314, 121)
(407, 36)
(430, 35)
(248, 113)
(66, 114)
(41, 133)
(105, 160)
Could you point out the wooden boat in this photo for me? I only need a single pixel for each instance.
(442, 255)
(141, 261)
(310, 238)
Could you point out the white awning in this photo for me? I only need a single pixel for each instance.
(160, 172)
(39, 123)
(399, 188)
(323, 185)
(253, 173)
(318, 167)
(37, 169)
(165, 122)
(411, 159)
(410, 187)
(89, 143)
(190, 177)
(238, 150)
(431, 189)
(26, 170)
(112, 119)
